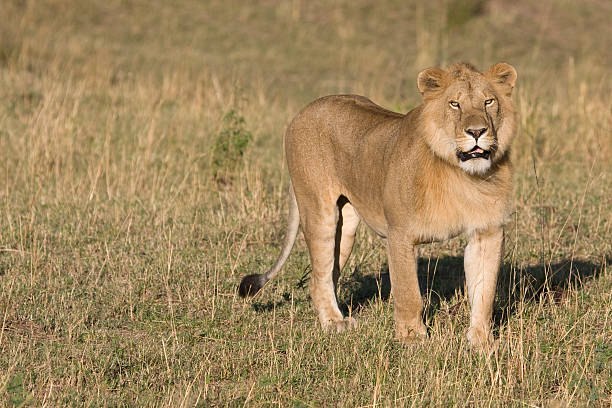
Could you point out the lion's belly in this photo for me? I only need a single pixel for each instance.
(375, 221)
(440, 222)
(443, 219)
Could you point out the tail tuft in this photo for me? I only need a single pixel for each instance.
(251, 284)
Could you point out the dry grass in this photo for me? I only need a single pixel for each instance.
(120, 253)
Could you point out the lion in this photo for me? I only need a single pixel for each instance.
(437, 171)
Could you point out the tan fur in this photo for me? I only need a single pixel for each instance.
(403, 177)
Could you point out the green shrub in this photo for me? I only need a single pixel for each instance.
(230, 145)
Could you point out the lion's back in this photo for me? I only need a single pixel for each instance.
(335, 124)
(329, 143)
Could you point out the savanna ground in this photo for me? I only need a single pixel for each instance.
(142, 175)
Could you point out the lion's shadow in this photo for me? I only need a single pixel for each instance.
(443, 279)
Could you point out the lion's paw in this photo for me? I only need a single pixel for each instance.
(482, 340)
(411, 335)
(339, 326)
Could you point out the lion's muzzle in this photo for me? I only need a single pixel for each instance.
(475, 153)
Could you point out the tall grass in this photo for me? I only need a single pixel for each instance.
(120, 250)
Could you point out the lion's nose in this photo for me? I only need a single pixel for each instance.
(476, 132)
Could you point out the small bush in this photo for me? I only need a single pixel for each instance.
(230, 145)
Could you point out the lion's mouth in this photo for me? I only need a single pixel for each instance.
(475, 153)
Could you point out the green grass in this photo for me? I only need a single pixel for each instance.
(121, 250)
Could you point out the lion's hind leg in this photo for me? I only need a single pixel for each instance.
(346, 230)
(321, 224)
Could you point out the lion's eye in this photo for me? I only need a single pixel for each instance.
(453, 104)
(489, 102)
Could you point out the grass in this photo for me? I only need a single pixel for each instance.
(120, 250)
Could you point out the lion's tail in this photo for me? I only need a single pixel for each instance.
(251, 284)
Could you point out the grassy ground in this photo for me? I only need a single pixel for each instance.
(123, 234)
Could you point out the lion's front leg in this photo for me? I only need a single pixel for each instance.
(481, 262)
(407, 302)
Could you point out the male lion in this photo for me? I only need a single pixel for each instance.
(439, 170)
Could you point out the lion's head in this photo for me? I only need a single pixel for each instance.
(469, 115)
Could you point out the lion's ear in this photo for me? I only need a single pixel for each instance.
(431, 80)
(502, 74)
